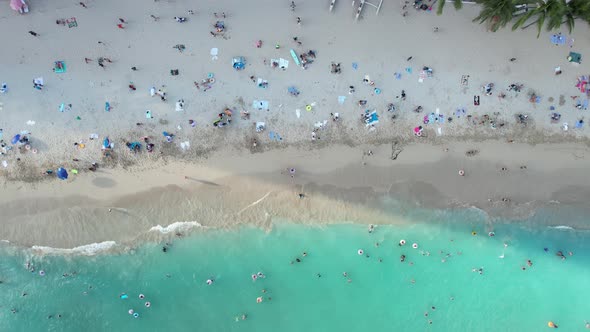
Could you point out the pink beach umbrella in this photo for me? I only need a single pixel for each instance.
(19, 6)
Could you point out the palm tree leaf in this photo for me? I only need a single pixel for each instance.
(441, 5)
(458, 4)
(540, 24)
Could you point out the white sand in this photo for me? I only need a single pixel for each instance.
(379, 44)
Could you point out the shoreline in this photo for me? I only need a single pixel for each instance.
(234, 187)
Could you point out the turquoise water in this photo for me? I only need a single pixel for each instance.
(383, 294)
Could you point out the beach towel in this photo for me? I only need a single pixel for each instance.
(72, 23)
(355, 66)
(397, 76)
(59, 67)
(214, 52)
(185, 145)
(261, 105)
(283, 64)
(295, 57)
(262, 83)
(585, 104)
(274, 136)
(409, 70)
(341, 99)
(574, 57)
(558, 39)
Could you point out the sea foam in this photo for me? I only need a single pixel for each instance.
(175, 227)
(86, 250)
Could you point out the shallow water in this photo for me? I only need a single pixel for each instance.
(383, 294)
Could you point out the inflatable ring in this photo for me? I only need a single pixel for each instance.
(209, 281)
(461, 172)
(377, 91)
(308, 108)
(141, 296)
(42, 273)
(148, 304)
(259, 299)
(34, 151)
(27, 147)
(360, 252)
(254, 277)
(491, 234)
(135, 315)
(210, 75)
(211, 80)
(131, 311)
(415, 245)
(402, 242)
(474, 233)
(552, 325)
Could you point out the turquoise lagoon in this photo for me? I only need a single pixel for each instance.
(438, 287)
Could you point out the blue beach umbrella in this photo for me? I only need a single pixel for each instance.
(15, 139)
(106, 143)
(62, 174)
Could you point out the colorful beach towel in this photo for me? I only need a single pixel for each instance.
(72, 23)
(59, 67)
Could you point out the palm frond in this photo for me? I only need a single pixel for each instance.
(441, 6)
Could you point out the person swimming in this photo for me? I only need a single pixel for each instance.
(402, 258)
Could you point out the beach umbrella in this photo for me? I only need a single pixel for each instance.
(16, 5)
(62, 174)
(15, 139)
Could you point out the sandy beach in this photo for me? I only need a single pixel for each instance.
(340, 184)
(220, 179)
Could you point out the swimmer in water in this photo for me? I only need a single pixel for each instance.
(344, 274)
(402, 258)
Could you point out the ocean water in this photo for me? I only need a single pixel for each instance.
(441, 279)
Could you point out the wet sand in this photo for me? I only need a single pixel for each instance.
(339, 184)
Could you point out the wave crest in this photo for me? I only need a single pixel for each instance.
(85, 250)
(175, 227)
